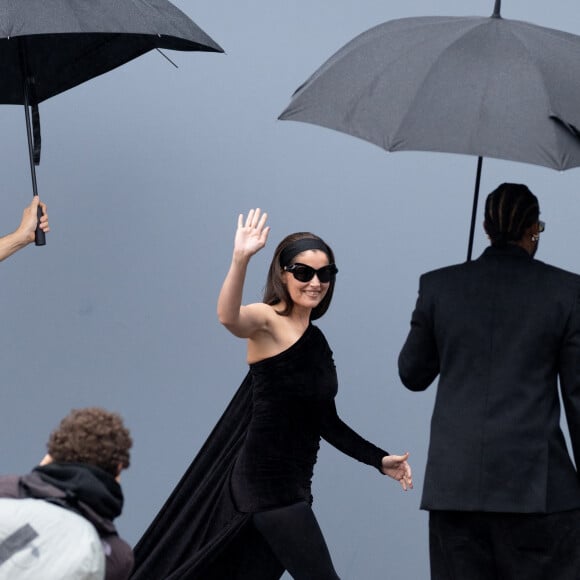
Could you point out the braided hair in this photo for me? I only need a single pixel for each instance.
(509, 211)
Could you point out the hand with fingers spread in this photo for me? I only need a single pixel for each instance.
(396, 466)
(251, 234)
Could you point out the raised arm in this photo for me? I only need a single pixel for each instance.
(251, 236)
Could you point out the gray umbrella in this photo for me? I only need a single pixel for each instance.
(481, 86)
(47, 47)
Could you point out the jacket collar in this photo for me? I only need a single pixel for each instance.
(507, 251)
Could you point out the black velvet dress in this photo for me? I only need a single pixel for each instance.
(260, 455)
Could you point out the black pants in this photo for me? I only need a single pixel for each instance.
(504, 546)
(294, 536)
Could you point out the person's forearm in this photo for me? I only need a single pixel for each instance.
(11, 243)
(230, 298)
(336, 432)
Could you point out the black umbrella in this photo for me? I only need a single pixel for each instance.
(47, 47)
(480, 86)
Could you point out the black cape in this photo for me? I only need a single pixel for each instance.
(198, 533)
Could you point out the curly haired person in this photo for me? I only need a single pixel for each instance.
(81, 472)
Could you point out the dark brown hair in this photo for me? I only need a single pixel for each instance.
(93, 436)
(276, 291)
(509, 211)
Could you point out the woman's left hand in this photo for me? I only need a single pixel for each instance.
(396, 466)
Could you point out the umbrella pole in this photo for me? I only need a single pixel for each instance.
(29, 136)
(474, 210)
(39, 236)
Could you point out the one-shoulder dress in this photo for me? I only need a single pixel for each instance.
(259, 456)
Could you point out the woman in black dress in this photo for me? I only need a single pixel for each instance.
(243, 509)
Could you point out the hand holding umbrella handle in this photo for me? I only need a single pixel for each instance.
(39, 236)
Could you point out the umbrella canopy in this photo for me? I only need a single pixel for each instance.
(483, 86)
(49, 47)
(68, 42)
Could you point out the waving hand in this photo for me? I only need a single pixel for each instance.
(251, 236)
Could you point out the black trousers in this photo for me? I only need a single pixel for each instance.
(504, 546)
(294, 536)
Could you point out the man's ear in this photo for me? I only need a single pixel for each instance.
(533, 231)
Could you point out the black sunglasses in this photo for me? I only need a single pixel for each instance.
(304, 273)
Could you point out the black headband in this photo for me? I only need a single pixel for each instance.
(300, 246)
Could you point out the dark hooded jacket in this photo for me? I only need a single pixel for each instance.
(87, 490)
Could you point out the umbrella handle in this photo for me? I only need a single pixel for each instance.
(39, 236)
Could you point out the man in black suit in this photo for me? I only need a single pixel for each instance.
(501, 489)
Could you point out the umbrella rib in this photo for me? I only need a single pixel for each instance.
(166, 57)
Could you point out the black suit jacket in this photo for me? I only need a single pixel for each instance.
(499, 331)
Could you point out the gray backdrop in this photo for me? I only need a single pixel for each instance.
(145, 171)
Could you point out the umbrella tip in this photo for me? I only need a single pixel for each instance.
(496, 9)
